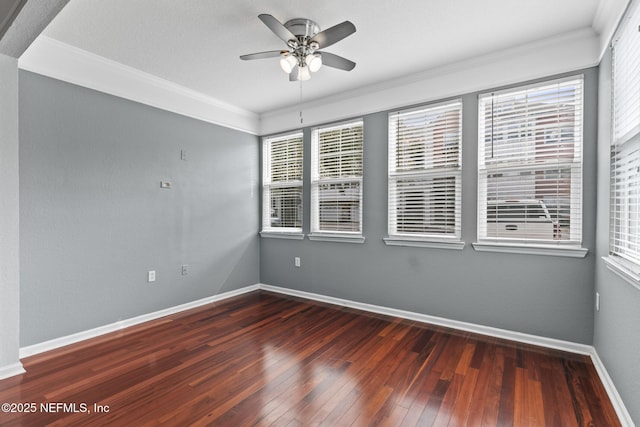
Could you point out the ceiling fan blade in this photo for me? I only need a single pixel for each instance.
(276, 26)
(335, 61)
(334, 34)
(262, 55)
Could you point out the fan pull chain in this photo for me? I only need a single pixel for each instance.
(301, 119)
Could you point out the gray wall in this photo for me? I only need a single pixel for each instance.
(9, 260)
(541, 295)
(94, 219)
(617, 324)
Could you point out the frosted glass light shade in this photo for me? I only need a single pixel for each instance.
(314, 62)
(303, 73)
(287, 62)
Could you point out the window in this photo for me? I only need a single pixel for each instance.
(425, 175)
(624, 236)
(282, 184)
(336, 181)
(530, 166)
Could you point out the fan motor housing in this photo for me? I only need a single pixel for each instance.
(302, 27)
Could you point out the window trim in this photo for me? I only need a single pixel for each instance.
(267, 185)
(624, 147)
(334, 235)
(534, 247)
(422, 243)
(427, 240)
(627, 270)
(282, 235)
(570, 251)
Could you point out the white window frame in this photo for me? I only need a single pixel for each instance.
(295, 181)
(488, 167)
(624, 236)
(318, 232)
(433, 164)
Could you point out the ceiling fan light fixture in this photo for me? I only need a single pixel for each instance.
(287, 62)
(303, 73)
(304, 41)
(314, 62)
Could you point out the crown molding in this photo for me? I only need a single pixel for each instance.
(606, 20)
(556, 55)
(563, 53)
(62, 61)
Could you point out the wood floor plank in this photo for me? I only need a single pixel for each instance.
(460, 410)
(489, 373)
(264, 359)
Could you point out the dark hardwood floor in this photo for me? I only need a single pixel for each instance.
(267, 359)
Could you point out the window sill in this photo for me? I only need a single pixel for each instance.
(346, 238)
(531, 249)
(276, 235)
(621, 268)
(419, 243)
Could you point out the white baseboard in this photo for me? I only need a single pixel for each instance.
(607, 382)
(11, 370)
(588, 350)
(441, 321)
(101, 330)
(572, 347)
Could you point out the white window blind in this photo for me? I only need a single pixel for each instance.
(336, 179)
(530, 164)
(282, 184)
(425, 172)
(626, 84)
(624, 238)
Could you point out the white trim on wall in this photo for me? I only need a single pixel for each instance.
(11, 370)
(425, 318)
(61, 61)
(560, 54)
(588, 350)
(612, 392)
(440, 321)
(606, 19)
(556, 55)
(112, 327)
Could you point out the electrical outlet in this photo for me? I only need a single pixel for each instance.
(597, 301)
(185, 269)
(151, 276)
(296, 261)
(183, 155)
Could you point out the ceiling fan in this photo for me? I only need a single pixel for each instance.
(304, 41)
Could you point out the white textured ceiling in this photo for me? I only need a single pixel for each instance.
(196, 43)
